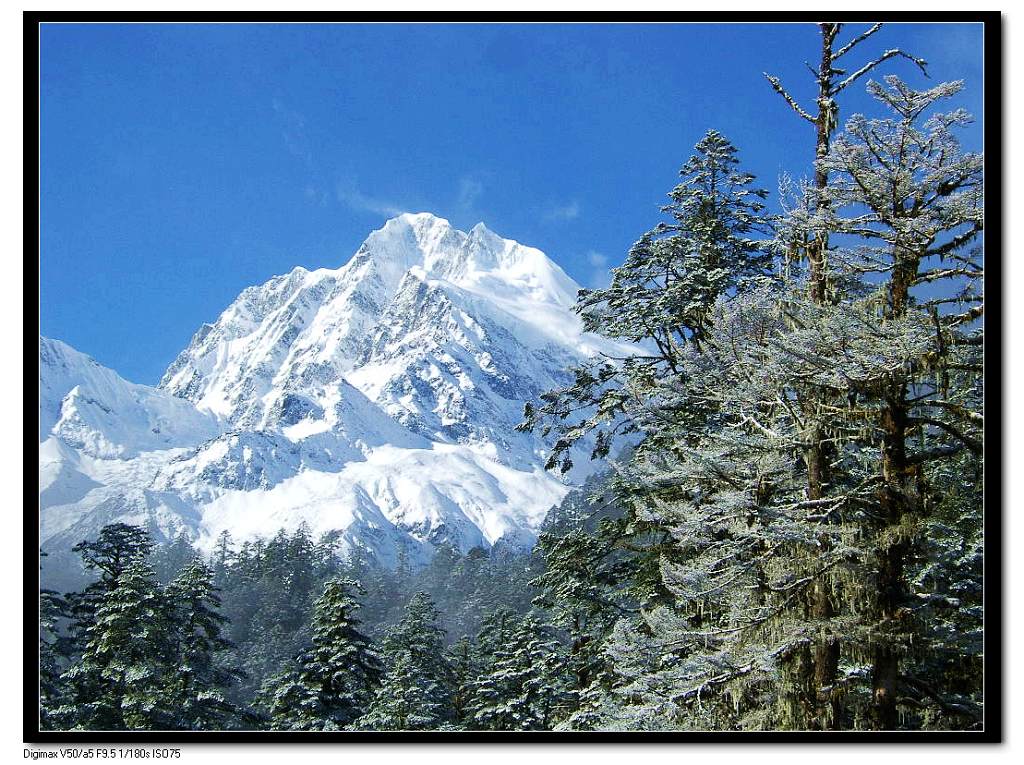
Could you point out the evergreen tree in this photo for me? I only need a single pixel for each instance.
(524, 688)
(665, 290)
(904, 187)
(666, 296)
(464, 660)
(756, 548)
(417, 687)
(408, 699)
(118, 683)
(496, 631)
(331, 684)
(585, 588)
(196, 689)
(830, 80)
(661, 296)
(809, 245)
(52, 656)
(114, 550)
(224, 556)
(274, 585)
(290, 703)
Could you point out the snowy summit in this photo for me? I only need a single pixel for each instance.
(378, 399)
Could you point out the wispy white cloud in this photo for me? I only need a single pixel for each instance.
(470, 190)
(600, 274)
(315, 195)
(293, 131)
(569, 211)
(353, 198)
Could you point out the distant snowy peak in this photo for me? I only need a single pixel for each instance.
(302, 333)
(92, 408)
(379, 399)
(435, 249)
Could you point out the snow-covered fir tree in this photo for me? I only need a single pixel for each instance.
(661, 298)
(913, 198)
(52, 651)
(331, 684)
(524, 686)
(585, 588)
(464, 660)
(417, 686)
(116, 547)
(818, 663)
(755, 546)
(196, 689)
(119, 682)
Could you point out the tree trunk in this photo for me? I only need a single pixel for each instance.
(823, 706)
(896, 500)
(824, 126)
(823, 702)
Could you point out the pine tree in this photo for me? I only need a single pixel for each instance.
(332, 683)
(755, 546)
(408, 699)
(666, 296)
(661, 296)
(416, 690)
(52, 656)
(524, 687)
(290, 703)
(585, 588)
(914, 198)
(496, 630)
(464, 660)
(278, 585)
(810, 245)
(830, 81)
(196, 689)
(118, 683)
(664, 291)
(117, 547)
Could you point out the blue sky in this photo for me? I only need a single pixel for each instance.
(183, 163)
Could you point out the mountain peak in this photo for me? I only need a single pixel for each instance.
(378, 399)
(409, 239)
(422, 225)
(421, 218)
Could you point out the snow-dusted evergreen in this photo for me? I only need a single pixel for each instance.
(523, 686)
(332, 682)
(787, 597)
(415, 692)
(379, 399)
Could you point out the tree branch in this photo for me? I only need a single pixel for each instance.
(777, 87)
(855, 41)
(944, 705)
(971, 443)
(921, 63)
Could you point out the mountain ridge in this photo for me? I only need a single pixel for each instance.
(378, 399)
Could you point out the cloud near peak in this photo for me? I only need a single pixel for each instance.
(569, 211)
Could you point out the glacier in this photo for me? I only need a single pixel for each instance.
(378, 400)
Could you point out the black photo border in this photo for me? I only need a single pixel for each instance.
(992, 731)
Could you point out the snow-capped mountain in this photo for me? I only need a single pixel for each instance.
(379, 399)
(92, 409)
